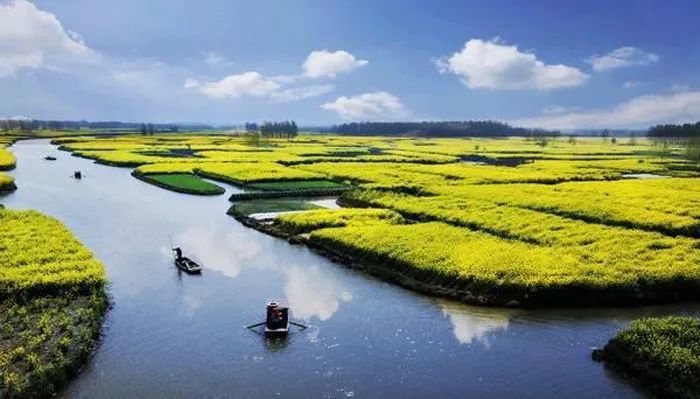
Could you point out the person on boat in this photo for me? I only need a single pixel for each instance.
(178, 253)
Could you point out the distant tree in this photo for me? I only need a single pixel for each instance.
(438, 129)
(572, 139)
(144, 128)
(684, 130)
(613, 140)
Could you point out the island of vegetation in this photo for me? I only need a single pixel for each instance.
(7, 162)
(660, 354)
(518, 221)
(52, 302)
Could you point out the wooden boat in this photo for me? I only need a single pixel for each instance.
(50, 158)
(277, 321)
(187, 265)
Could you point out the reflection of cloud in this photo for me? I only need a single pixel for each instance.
(191, 304)
(217, 248)
(311, 292)
(471, 324)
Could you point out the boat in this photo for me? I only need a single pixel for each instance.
(277, 320)
(78, 174)
(186, 264)
(50, 158)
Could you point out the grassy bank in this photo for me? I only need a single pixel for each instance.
(660, 354)
(52, 301)
(246, 208)
(182, 183)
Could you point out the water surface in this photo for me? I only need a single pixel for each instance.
(171, 335)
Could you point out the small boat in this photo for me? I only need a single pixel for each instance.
(78, 174)
(277, 320)
(186, 264)
(50, 158)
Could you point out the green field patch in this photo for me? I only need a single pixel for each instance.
(296, 185)
(184, 183)
(247, 208)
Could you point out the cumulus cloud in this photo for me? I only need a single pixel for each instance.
(301, 93)
(498, 66)
(233, 86)
(620, 58)
(639, 111)
(367, 106)
(31, 39)
(324, 63)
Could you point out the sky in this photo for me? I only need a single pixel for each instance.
(540, 63)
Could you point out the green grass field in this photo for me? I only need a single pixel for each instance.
(272, 205)
(187, 183)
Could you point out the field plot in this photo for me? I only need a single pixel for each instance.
(7, 162)
(661, 353)
(518, 222)
(51, 304)
(182, 182)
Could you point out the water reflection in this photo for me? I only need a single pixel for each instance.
(217, 248)
(475, 325)
(313, 292)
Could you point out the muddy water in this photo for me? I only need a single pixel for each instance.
(171, 335)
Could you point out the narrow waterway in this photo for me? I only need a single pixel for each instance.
(171, 335)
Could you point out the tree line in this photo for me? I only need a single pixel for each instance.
(30, 125)
(439, 129)
(673, 130)
(285, 129)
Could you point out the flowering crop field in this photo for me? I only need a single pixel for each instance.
(51, 303)
(497, 221)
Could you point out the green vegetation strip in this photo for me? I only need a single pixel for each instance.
(52, 301)
(246, 208)
(182, 183)
(661, 354)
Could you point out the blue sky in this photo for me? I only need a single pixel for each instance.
(560, 64)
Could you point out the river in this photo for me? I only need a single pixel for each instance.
(171, 335)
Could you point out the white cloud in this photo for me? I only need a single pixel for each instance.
(622, 57)
(631, 84)
(377, 105)
(637, 112)
(495, 65)
(301, 93)
(323, 63)
(215, 59)
(30, 38)
(233, 86)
